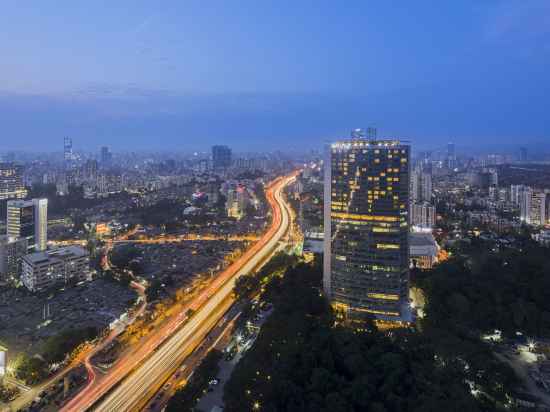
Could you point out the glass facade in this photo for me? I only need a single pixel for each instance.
(366, 229)
(221, 157)
(29, 219)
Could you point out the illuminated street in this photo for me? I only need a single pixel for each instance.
(209, 307)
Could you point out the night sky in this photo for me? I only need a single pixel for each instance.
(257, 75)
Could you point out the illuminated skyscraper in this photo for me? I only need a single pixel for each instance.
(366, 256)
(11, 182)
(29, 219)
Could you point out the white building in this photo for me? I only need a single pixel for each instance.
(423, 215)
(517, 193)
(42, 270)
(237, 202)
(533, 207)
(421, 186)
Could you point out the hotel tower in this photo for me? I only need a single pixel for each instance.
(366, 204)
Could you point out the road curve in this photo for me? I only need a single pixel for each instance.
(153, 363)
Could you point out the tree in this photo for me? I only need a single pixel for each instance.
(302, 362)
(121, 256)
(246, 286)
(185, 399)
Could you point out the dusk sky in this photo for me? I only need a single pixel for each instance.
(257, 75)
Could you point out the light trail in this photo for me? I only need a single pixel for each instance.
(165, 239)
(148, 368)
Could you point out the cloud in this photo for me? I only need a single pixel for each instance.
(523, 21)
(142, 26)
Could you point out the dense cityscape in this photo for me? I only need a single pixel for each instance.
(163, 278)
(275, 207)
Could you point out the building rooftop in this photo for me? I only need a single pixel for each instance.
(75, 251)
(65, 252)
(348, 143)
(421, 239)
(36, 257)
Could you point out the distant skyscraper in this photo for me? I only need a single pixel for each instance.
(451, 156)
(366, 257)
(423, 215)
(451, 151)
(421, 186)
(221, 157)
(68, 152)
(523, 154)
(90, 169)
(29, 219)
(106, 157)
(517, 192)
(11, 182)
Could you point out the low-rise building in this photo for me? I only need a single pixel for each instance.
(313, 243)
(543, 237)
(42, 270)
(423, 250)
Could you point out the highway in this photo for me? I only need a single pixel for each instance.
(157, 359)
(84, 357)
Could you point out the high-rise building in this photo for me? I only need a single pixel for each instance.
(106, 157)
(29, 219)
(221, 158)
(451, 155)
(522, 154)
(237, 202)
(517, 193)
(533, 207)
(11, 182)
(11, 251)
(90, 169)
(423, 215)
(68, 152)
(41, 223)
(366, 252)
(421, 186)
